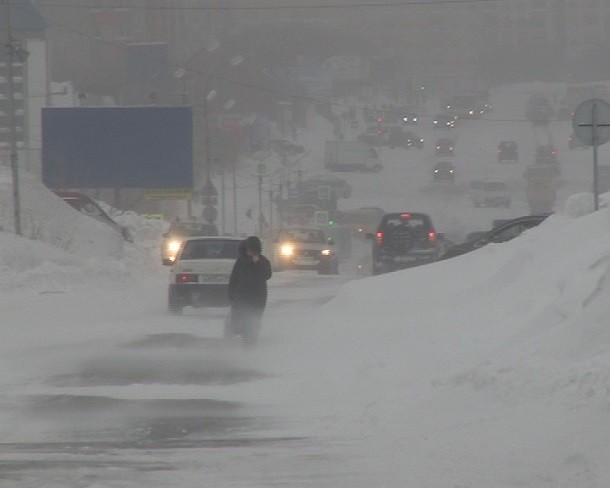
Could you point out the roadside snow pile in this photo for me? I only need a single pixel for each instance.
(61, 247)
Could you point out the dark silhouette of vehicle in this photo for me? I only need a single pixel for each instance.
(443, 171)
(403, 240)
(445, 147)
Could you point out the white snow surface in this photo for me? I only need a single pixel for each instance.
(487, 370)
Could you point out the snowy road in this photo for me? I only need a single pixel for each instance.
(127, 404)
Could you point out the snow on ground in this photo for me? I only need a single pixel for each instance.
(490, 369)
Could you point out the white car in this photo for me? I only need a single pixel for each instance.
(200, 274)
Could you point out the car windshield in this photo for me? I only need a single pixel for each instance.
(304, 236)
(210, 249)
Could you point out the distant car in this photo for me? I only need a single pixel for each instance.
(508, 151)
(403, 240)
(398, 137)
(339, 186)
(303, 248)
(574, 142)
(178, 232)
(200, 274)
(443, 171)
(444, 121)
(445, 147)
(410, 118)
(502, 233)
(490, 193)
(546, 153)
(89, 207)
(413, 140)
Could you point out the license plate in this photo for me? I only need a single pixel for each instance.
(405, 259)
(305, 262)
(214, 279)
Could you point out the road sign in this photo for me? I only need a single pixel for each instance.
(591, 122)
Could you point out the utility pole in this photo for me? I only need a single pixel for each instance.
(11, 113)
(234, 197)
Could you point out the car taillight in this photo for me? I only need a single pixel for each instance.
(554, 153)
(379, 238)
(186, 278)
(431, 238)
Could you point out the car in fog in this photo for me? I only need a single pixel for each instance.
(305, 248)
(410, 118)
(445, 147)
(546, 154)
(201, 271)
(178, 232)
(502, 233)
(443, 171)
(403, 240)
(444, 121)
(398, 137)
(508, 151)
(89, 207)
(575, 143)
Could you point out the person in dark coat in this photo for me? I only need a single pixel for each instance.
(248, 291)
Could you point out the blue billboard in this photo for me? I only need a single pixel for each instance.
(117, 147)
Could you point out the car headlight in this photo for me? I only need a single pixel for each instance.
(325, 252)
(174, 246)
(286, 250)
